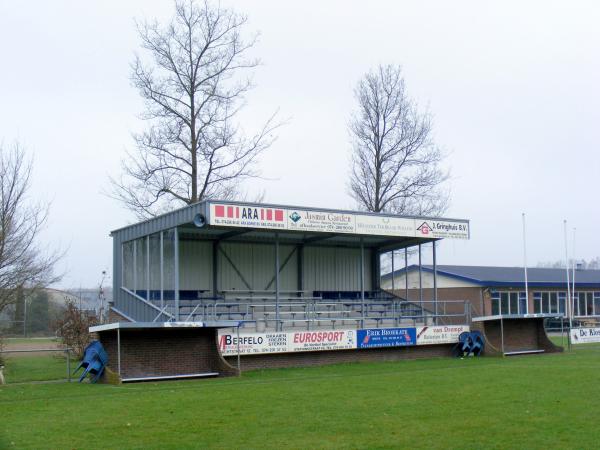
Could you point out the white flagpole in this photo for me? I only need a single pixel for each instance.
(525, 265)
(569, 299)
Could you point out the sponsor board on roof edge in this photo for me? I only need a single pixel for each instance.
(325, 340)
(257, 216)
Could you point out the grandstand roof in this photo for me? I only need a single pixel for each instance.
(216, 219)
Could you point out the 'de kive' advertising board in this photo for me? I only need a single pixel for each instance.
(585, 335)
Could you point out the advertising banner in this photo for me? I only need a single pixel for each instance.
(286, 342)
(440, 334)
(260, 216)
(321, 221)
(385, 226)
(247, 216)
(386, 337)
(323, 340)
(442, 229)
(585, 335)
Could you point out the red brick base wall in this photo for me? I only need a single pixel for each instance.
(165, 352)
(302, 359)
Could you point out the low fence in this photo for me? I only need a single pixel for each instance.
(37, 365)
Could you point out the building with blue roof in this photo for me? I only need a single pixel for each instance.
(501, 290)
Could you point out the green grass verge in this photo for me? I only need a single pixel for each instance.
(547, 401)
(25, 368)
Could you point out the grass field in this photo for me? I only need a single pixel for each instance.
(46, 367)
(38, 366)
(548, 401)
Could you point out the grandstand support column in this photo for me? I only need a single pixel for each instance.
(405, 273)
(362, 281)
(148, 268)
(300, 256)
(277, 324)
(135, 266)
(420, 278)
(393, 274)
(162, 272)
(435, 299)
(176, 274)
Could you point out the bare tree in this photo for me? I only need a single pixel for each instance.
(23, 262)
(395, 163)
(192, 148)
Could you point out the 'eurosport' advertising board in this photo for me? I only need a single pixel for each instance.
(447, 334)
(285, 342)
(585, 335)
(261, 216)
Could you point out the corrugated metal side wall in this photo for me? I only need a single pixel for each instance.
(195, 265)
(335, 269)
(256, 266)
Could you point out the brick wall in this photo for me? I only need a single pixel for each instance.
(302, 359)
(519, 334)
(165, 352)
(114, 316)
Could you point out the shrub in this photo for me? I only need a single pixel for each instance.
(73, 328)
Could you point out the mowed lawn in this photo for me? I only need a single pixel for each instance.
(549, 401)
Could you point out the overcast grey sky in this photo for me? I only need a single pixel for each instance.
(513, 88)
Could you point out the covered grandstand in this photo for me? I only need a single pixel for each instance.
(273, 267)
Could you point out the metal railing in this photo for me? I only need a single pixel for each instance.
(147, 308)
(314, 311)
(300, 309)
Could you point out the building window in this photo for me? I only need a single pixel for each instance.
(562, 297)
(551, 302)
(508, 302)
(587, 303)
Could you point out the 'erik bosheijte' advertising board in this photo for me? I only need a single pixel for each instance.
(312, 220)
(323, 340)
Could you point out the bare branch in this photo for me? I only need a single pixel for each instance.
(395, 165)
(23, 263)
(189, 79)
